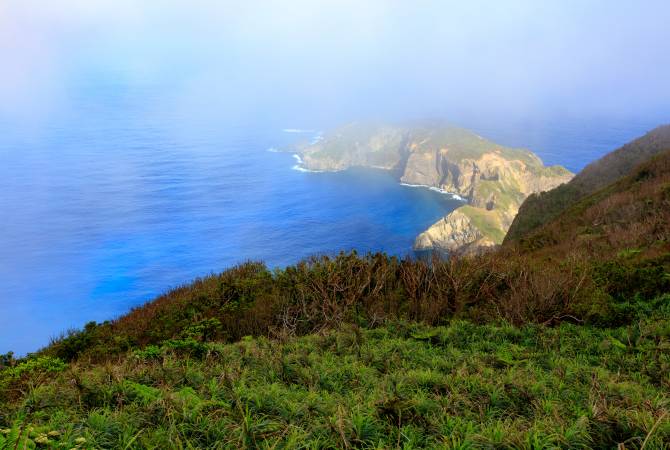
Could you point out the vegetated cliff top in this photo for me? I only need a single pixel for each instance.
(374, 143)
(541, 208)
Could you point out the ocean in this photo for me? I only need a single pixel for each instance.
(114, 201)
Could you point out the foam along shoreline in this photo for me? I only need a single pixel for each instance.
(299, 166)
(436, 189)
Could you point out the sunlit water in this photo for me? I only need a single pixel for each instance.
(115, 201)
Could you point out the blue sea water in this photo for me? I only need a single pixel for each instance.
(115, 200)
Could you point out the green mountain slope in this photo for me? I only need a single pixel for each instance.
(630, 215)
(539, 209)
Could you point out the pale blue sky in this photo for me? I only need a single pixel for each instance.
(343, 58)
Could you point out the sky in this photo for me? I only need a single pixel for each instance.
(341, 59)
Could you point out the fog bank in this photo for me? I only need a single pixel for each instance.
(328, 61)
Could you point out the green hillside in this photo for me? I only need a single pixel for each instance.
(398, 386)
(395, 141)
(630, 215)
(539, 209)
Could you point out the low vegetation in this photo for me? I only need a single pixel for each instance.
(397, 386)
(323, 293)
(487, 222)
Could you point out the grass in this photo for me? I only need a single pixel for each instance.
(556, 171)
(402, 385)
(487, 222)
(382, 145)
(505, 197)
(383, 141)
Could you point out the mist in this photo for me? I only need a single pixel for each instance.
(310, 63)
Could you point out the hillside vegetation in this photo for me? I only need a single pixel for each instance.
(539, 209)
(398, 386)
(629, 216)
(558, 340)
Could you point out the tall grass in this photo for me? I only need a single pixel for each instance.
(402, 385)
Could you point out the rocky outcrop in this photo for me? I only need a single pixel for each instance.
(454, 233)
(492, 179)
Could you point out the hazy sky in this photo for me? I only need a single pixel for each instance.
(331, 60)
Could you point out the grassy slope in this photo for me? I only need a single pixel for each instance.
(506, 194)
(630, 214)
(402, 386)
(487, 222)
(338, 144)
(539, 209)
(462, 143)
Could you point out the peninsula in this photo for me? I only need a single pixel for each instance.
(492, 180)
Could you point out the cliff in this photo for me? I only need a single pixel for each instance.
(492, 179)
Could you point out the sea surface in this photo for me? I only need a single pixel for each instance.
(116, 199)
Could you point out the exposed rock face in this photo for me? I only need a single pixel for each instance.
(492, 179)
(454, 233)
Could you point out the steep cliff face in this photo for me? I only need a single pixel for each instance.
(492, 179)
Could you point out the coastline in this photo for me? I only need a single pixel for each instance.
(435, 189)
(299, 166)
